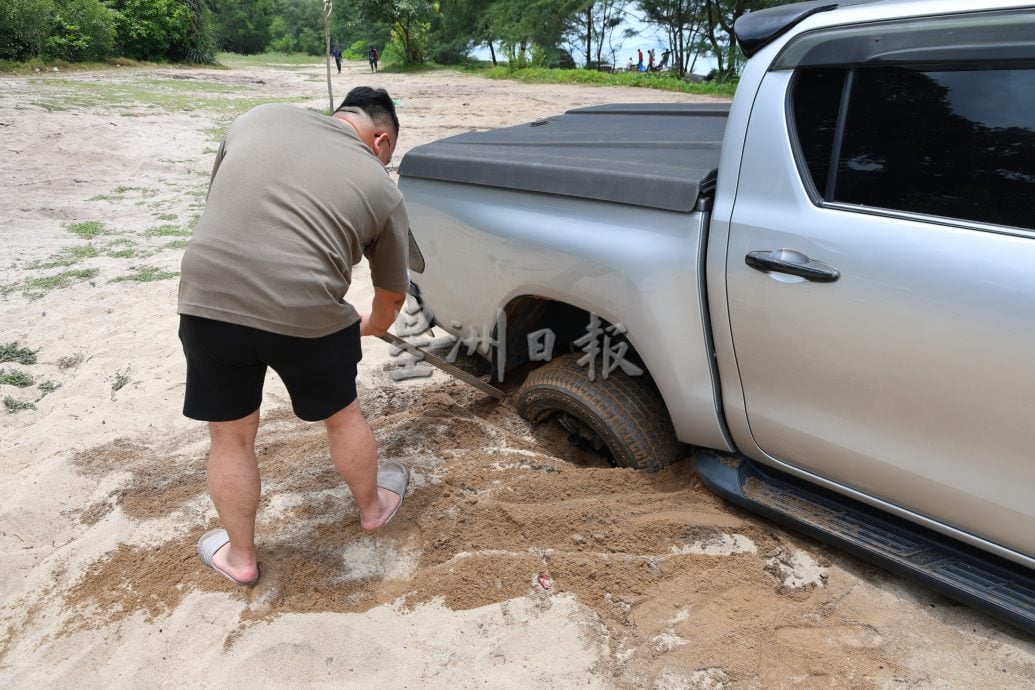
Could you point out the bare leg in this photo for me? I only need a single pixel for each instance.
(233, 483)
(354, 454)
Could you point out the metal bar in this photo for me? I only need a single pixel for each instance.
(442, 364)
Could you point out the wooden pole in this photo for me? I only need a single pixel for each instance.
(327, 52)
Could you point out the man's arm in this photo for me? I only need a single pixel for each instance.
(382, 313)
(215, 166)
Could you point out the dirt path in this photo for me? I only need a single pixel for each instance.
(514, 561)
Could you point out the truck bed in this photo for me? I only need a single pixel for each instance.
(662, 155)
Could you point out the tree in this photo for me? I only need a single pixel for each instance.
(409, 20)
(163, 29)
(82, 30)
(24, 27)
(595, 25)
(297, 27)
(461, 26)
(720, 16)
(243, 26)
(681, 21)
(536, 26)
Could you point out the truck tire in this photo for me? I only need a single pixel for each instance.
(622, 417)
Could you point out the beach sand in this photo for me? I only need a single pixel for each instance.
(516, 560)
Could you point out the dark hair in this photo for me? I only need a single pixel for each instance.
(374, 102)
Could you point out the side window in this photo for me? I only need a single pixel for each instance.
(817, 98)
(956, 143)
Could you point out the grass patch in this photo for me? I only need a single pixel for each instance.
(171, 95)
(400, 68)
(68, 257)
(12, 405)
(120, 381)
(34, 66)
(35, 288)
(168, 231)
(13, 352)
(647, 80)
(88, 230)
(176, 244)
(146, 274)
(167, 216)
(120, 249)
(48, 387)
(269, 60)
(121, 191)
(14, 377)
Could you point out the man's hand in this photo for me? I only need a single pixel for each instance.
(382, 314)
(366, 329)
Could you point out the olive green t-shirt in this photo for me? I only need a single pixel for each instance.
(295, 200)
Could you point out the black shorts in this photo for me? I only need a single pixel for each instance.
(226, 367)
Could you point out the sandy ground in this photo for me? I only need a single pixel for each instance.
(514, 562)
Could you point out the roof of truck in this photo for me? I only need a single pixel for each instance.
(661, 155)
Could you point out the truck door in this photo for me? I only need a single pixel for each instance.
(880, 271)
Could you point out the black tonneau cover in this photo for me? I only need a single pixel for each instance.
(659, 155)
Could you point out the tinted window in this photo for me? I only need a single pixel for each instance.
(955, 143)
(817, 98)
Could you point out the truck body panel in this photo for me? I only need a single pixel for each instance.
(635, 266)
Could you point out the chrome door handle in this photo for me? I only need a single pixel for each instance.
(793, 263)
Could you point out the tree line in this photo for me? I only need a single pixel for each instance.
(552, 33)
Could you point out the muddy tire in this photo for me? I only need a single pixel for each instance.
(622, 417)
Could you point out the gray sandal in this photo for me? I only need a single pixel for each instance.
(394, 477)
(213, 541)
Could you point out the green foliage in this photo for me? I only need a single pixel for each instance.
(14, 377)
(88, 230)
(268, 59)
(243, 26)
(46, 387)
(36, 287)
(409, 21)
(163, 29)
(655, 80)
(146, 274)
(24, 28)
(13, 352)
(168, 230)
(12, 405)
(83, 30)
(151, 29)
(358, 50)
(68, 257)
(297, 27)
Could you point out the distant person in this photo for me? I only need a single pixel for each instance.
(664, 59)
(639, 60)
(650, 60)
(629, 66)
(336, 54)
(372, 58)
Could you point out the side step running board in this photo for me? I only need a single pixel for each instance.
(995, 585)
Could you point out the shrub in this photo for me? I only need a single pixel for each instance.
(150, 29)
(83, 30)
(24, 28)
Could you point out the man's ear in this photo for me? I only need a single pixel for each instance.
(383, 146)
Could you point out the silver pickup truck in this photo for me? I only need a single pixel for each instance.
(826, 289)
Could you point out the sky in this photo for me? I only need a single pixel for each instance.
(647, 38)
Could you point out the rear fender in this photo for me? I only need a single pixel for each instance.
(485, 248)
